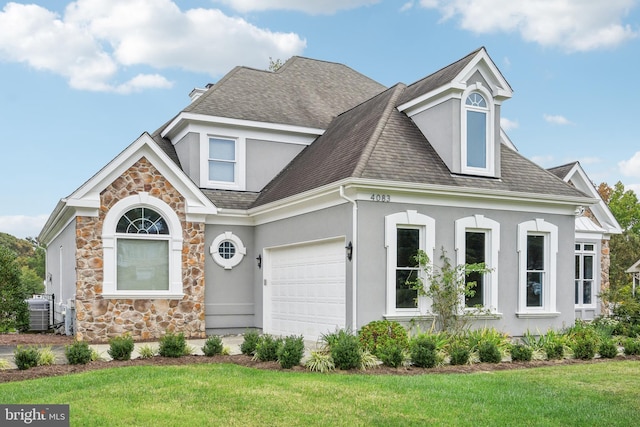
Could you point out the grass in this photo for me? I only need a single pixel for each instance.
(231, 395)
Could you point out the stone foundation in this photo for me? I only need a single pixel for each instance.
(98, 319)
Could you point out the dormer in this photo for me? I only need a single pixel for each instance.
(458, 110)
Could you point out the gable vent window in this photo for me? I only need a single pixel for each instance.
(477, 112)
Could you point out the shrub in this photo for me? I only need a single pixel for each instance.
(26, 357)
(291, 351)
(267, 348)
(120, 348)
(554, 350)
(47, 357)
(423, 351)
(367, 360)
(172, 345)
(608, 349)
(78, 353)
(521, 353)
(345, 350)
(146, 351)
(631, 346)
(489, 352)
(189, 350)
(584, 346)
(250, 342)
(212, 346)
(4, 364)
(377, 334)
(459, 354)
(391, 354)
(320, 361)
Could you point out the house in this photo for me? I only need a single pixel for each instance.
(594, 228)
(292, 201)
(634, 270)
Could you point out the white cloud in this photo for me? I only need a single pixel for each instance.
(508, 125)
(96, 41)
(407, 6)
(22, 226)
(556, 120)
(634, 187)
(313, 7)
(572, 25)
(631, 167)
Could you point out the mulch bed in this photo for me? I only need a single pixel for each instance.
(242, 360)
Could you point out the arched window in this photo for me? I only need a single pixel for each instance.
(478, 147)
(142, 251)
(477, 123)
(142, 244)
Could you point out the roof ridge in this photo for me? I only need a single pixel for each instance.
(398, 89)
(464, 58)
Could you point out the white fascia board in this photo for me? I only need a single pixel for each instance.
(430, 99)
(144, 146)
(483, 63)
(183, 119)
(578, 177)
(55, 223)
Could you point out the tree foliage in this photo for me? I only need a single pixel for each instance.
(275, 64)
(14, 312)
(623, 204)
(30, 258)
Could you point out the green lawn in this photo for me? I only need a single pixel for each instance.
(228, 395)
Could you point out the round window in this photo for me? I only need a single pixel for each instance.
(227, 250)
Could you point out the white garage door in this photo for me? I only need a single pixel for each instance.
(304, 292)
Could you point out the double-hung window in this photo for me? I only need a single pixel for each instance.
(537, 257)
(477, 240)
(584, 274)
(222, 160)
(405, 234)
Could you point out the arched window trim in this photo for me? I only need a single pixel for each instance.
(239, 250)
(109, 242)
(489, 170)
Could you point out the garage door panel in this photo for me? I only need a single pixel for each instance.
(306, 292)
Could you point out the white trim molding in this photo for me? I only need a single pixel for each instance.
(491, 229)
(427, 227)
(109, 243)
(239, 250)
(538, 227)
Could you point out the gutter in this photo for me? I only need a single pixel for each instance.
(354, 258)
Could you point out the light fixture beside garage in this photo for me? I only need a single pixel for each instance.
(349, 249)
(259, 259)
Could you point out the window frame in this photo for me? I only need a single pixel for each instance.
(110, 240)
(489, 111)
(239, 161)
(491, 228)
(410, 219)
(238, 255)
(581, 252)
(538, 227)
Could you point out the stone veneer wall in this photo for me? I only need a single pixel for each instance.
(98, 319)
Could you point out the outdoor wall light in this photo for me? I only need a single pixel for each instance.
(259, 259)
(349, 249)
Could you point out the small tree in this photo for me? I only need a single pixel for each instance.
(14, 311)
(447, 287)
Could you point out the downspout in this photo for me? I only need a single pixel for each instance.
(354, 258)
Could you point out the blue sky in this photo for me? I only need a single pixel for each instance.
(83, 79)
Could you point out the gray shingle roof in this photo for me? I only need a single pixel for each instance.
(562, 171)
(228, 199)
(303, 92)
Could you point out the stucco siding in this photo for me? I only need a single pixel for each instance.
(188, 150)
(443, 137)
(372, 263)
(265, 159)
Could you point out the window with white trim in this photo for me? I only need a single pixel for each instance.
(222, 160)
(478, 240)
(227, 250)
(537, 254)
(142, 246)
(477, 131)
(405, 234)
(585, 259)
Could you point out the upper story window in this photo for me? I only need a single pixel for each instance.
(222, 160)
(477, 133)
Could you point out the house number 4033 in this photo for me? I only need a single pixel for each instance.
(384, 198)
